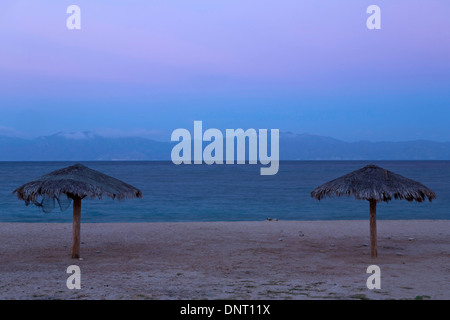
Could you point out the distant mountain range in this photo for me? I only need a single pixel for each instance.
(86, 146)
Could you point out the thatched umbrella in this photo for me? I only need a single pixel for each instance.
(76, 182)
(374, 184)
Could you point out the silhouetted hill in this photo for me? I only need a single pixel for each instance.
(85, 146)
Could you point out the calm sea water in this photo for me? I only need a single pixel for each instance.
(227, 192)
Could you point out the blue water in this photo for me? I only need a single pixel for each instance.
(227, 192)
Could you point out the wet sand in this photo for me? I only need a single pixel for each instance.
(226, 260)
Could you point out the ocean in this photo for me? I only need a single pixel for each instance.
(179, 193)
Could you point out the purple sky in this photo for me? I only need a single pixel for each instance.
(149, 67)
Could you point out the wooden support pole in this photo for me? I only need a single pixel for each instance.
(373, 228)
(76, 228)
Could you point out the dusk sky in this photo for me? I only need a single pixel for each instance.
(146, 68)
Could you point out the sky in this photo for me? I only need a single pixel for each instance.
(147, 67)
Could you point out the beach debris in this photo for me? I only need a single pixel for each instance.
(280, 239)
(399, 254)
(364, 245)
(410, 239)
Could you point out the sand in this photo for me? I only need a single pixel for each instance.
(226, 260)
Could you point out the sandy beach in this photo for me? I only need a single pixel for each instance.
(226, 260)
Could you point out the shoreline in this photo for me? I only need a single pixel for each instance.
(254, 260)
(219, 221)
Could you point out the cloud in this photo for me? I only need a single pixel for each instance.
(140, 133)
(114, 133)
(10, 132)
(78, 135)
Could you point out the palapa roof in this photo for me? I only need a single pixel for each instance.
(374, 183)
(76, 181)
